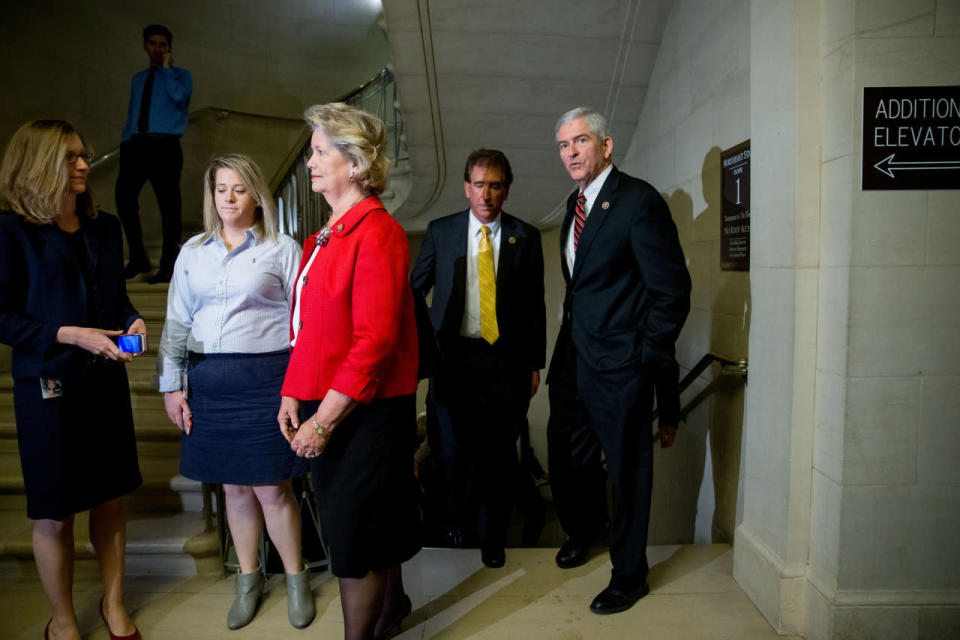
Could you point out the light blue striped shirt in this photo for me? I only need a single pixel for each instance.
(227, 302)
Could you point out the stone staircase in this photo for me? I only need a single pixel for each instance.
(167, 530)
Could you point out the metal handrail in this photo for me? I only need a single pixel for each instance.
(221, 113)
(728, 366)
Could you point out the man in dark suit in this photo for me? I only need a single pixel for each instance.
(628, 294)
(486, 271)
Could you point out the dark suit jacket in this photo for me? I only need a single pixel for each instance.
(521, 314)
(629, 293)
(42, 289)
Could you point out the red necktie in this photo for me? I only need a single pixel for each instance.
(580, 220)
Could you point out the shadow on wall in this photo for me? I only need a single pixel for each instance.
(695, 494)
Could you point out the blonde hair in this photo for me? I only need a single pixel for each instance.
(360, 136)
(34, 172)
(265, 219)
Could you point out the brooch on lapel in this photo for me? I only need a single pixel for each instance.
(512, 240)
(605, 205)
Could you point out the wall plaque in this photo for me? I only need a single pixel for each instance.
(735, 208)
(911, 138)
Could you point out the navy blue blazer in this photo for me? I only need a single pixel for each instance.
(629, 293)
(42, 289)
(521, 312)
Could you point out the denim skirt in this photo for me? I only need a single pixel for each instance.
(235, 439)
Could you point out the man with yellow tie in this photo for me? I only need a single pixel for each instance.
(486, 271)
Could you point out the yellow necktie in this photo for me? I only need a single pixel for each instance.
(488, 288)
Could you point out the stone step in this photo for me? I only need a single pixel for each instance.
(140, 372)
(157, 543)
(163, 488)
(143, 391)
(149, 419)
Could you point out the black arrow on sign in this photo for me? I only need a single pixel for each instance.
(888, 165)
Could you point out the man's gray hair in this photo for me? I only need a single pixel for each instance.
(597, 123)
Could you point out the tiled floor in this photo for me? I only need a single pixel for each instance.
(693, 596)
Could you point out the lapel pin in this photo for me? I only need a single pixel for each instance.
(605, 205)
(340, 226)
(512, 240)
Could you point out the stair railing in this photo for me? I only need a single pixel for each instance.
(219, 113)
(727, 367)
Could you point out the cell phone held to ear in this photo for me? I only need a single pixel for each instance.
(133, 343)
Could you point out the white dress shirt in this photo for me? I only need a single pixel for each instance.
(223, 301)
(591, 193)
(470, 328)
(295, 321)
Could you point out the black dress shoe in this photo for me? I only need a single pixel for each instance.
(617, 599)
(135, 268)
(572, 555)
(159, 277)
(493, 557)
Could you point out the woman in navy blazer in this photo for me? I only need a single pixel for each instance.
(62, 300)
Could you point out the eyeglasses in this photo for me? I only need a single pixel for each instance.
(73, 156)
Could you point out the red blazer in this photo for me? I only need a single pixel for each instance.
(358, 333)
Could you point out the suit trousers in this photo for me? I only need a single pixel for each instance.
(609, 412)
(479, 404)
(159, 159)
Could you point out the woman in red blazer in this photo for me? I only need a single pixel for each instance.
(352, 378)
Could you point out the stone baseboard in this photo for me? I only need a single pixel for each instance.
(795, 602)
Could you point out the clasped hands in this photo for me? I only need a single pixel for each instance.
(307, 442)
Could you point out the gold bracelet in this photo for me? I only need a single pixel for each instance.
(323, 433)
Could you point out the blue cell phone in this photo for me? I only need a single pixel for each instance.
(132, 342)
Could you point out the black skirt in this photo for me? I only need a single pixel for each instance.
(77, 450)
(366, 490)
(235, 439)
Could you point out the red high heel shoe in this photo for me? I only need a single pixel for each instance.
(133, 636)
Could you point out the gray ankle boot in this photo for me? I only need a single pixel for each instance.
(249, 589)
(300, 605)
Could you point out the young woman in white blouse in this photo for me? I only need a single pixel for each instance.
(222, 358)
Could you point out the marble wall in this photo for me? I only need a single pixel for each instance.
(852, 538)
(698, 105)
(849, 496)
(887, 445)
